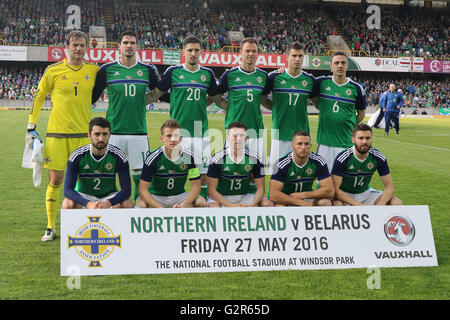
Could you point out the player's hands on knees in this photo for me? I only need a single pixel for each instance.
(32, 134)
(93, 205)
(104, 204)
(297, 195)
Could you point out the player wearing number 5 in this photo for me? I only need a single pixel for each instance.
(70, 83)
(165, 172)
(353, 169)
(127, 81)
(231, 171)
(342, 104)
(91, 173)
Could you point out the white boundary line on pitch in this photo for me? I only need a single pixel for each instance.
(414, 144)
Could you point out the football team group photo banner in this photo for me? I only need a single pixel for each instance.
(156, 241)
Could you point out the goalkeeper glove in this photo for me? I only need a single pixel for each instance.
(32, 134)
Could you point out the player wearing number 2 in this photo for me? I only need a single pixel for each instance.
(127, 81)
(70, 83)
(91, 173)
(342, 104)
(353, 169)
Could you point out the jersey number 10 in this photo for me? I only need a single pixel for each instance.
(130, 90)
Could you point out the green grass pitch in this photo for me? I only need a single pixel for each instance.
(419, 159)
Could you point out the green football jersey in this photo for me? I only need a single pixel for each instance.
(234, 178)
(356, 174)
(244, 98)
(290, 100)
(167, 177)
(126, 87)
(96, 177)
(337, 111)
(188, 93)
(300, 178)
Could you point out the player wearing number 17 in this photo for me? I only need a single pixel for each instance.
(70, 83)
(353, 169)
(342, 104)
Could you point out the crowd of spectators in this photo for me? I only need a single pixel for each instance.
(37, 22)
(17, 83)
(416, 93)
(405, 31)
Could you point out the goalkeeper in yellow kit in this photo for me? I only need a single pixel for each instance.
(70, 83)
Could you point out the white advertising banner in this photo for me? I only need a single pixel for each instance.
(151, 241)
(13, 53)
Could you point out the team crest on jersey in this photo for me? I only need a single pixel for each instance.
(87, 77)
(316, 62)
(140, 73)
(63, 78)
(370, 166)
(94, 242)
(304, 83)
(248, 167)
(348, 92)
(309, 171)
(108, 166)
(203, 78)
(183, 166)
(259, 79)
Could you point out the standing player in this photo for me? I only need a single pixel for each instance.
(290, 92)
(353, 169)
(127, 81)
(292, 184)
(189, 85)
(70, 83)
(165, 172)
(91, 173)
(246, 86)
(391, 101)
(342, 104)
(231, 171)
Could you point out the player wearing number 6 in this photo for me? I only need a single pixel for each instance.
(342, 104)
(91, 173)
(127, 81)
(231, 171)
(292, 184)
(70, 83)
(353, 169)
(165, 172)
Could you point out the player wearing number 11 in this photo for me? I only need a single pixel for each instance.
(70, 83)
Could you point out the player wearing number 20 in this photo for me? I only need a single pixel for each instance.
(342, 104)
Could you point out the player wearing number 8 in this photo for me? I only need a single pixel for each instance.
(165, 172)
(353, 169)
(91, 173)
(342, 104)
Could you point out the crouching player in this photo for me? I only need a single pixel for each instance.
(292, 181)
(231, 171)
(353, 169)
(91, 173)
(165, 172)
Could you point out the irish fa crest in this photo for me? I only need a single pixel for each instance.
(94, 242)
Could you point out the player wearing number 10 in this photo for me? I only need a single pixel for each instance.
(342, 104)
(127, 81)
(70, 83)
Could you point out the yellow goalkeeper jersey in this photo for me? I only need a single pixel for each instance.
(70, 89)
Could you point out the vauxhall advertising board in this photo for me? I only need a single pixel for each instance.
(153, 241)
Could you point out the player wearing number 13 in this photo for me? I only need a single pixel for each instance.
(342, 104)
(353, 169)
(70, 83)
